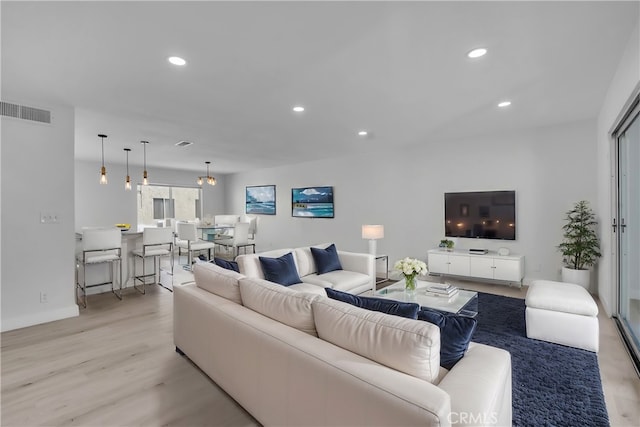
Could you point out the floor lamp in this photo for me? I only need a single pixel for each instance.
(373, 233)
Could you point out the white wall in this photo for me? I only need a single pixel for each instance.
(625, 84)
(99, 205)
(37, 177)
(403, 189)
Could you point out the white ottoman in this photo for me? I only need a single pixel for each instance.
(562, 313)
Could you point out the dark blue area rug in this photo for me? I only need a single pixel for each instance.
(553, 385)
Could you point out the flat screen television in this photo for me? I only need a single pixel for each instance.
(480, 214)
(312, 202)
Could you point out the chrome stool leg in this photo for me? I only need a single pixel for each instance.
(139, 278)
(119, 293)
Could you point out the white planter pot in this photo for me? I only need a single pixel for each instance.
(579, 277)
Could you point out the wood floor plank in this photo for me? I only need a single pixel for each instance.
(115, 364)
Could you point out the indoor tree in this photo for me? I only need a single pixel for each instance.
(580, 247)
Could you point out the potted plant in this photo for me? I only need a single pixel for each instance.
(446, 244)
(580, 248)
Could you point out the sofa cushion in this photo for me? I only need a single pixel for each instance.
(455, 334)
(405, 345)
(309, 288)
(293, 308)
(250, 266)
(229, 265)
(326, 259)
(341, 280)
(280, 270)
(304, 261)
(397, 308)
(218, 280)
(560, 296)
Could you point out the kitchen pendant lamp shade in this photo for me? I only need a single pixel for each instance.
(103, 170)
(103, 175)
(127, 181)
(145, 181)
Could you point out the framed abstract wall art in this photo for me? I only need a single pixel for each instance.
(312, 202)
(261, 199)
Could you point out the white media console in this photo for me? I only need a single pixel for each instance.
(509, 268)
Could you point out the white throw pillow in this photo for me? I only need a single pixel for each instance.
(406, 345)
(293, 308)
(218, 280)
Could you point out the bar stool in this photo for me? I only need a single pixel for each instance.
(99, 246)
(188, 239)
(156, 243)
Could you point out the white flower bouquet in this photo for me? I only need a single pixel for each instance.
(410, 268)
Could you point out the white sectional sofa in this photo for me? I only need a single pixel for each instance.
(357, 275)
(292, 358)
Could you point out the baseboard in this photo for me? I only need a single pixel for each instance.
(40, 317)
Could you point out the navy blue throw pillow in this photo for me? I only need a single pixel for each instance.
(280, 270)
(229, 265)
(402, 309)
(326, 259)
(455, 334)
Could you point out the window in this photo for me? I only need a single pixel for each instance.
(158, 202)
(164, 208)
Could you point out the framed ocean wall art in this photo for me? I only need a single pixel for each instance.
(312, 202)
(260, 199)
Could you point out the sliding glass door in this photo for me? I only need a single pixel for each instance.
(627, 227)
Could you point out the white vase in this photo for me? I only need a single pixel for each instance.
(579, 277)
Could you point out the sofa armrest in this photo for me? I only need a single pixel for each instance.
(358, 262)
(480, 387)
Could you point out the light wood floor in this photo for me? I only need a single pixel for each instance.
(115, 364)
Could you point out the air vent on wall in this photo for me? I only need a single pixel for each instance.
(183, 143)
(23, 112)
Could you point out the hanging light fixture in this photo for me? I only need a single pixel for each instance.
(210, 180)
(103, 170)
(144, 173)
(127, 181)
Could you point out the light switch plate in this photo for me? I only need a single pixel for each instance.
(49, 218)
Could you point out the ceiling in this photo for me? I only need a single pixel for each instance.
(397, 69)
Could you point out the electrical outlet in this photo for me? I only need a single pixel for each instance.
(43, 297)
(48, 218)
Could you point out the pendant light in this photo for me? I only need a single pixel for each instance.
(127, 182)
(144, 173)
(200, 180)
(103, 170)
(210, 180)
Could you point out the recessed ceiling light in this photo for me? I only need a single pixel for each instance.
(363, 133)
(298, 109)
(176, 60)
(504, 104)
(477, 53)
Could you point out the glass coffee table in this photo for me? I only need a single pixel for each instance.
(464, 302)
